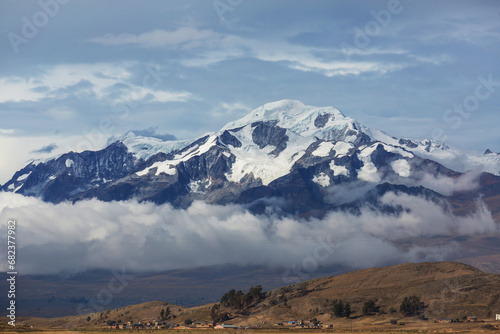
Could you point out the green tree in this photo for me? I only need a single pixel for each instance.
(238, 299)
(338, 307)
(218, 316)
(166, 313)
(255, 293)
(188, 322)
(369, 307)
(347, 310)
(411, 306)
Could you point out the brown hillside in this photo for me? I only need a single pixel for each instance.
(448, 290)
(136, 313)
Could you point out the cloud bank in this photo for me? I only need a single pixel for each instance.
(146, 237)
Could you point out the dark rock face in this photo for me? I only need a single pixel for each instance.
(59, 179)
(408, 143)
(267, 133)
(211, 164)
(322, 119)
(380, 157)
(229, 139)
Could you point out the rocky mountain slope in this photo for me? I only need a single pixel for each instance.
(301, 155)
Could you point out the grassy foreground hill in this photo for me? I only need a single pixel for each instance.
(447, 290)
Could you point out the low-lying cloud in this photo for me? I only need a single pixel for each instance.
(146, 237)
(45, 149)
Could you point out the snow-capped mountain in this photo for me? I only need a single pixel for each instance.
(303, 157)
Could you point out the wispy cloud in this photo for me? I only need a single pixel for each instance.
(433, 60)
(7, 131)
(45, 149)
(99, 80)
(61, 113)
(220, 47)
(186, 37)
(234, 109)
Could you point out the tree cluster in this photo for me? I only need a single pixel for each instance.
(216, 315)
(369, 307)
(411, 306)
(341, 309)
(238, 299)
(165, 314)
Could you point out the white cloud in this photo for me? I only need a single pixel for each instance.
(17, 89)
(83, 80)
(7, 131)
(138, 93)
(146, 237)
(433, 60)
(233, 110)
(186, 37)
(220, 47)
(331, 69)
(61, 113)
(448, 185)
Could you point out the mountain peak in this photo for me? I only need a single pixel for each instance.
(281, 105)
(304, 120)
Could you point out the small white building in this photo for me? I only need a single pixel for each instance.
(498, 317)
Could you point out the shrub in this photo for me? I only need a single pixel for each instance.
(489, 326)
(393, 322)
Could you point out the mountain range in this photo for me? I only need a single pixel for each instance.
(284, 156)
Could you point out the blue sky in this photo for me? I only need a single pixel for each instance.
(78, 69)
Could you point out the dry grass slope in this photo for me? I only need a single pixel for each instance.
(448, 289)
